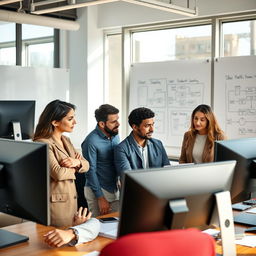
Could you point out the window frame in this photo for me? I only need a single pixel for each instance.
(21, 46)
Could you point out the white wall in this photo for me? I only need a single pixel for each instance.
(82, 52)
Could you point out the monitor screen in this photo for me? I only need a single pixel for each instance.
(156, 199)
(24, 180)
(17, 119)
(244, 152)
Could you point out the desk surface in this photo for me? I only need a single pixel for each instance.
(36, 247)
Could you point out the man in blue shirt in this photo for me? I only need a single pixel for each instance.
(101, 190)
(139, 150)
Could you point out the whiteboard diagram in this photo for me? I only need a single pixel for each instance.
(172, 90)
(235, 96)
(241, 110)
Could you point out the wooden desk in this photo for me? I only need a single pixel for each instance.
(36, 247)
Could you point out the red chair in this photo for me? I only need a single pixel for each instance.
(188, 242)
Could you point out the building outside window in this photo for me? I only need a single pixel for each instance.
(239, 38)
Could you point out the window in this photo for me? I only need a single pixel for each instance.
(7, 44)
(37, 46)
(239, 38)
(172, 44)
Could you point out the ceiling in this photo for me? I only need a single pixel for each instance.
(25, 6)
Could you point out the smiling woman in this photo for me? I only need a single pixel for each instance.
(198, 141)
(58, 117)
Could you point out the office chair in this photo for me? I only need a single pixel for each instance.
(189, 242)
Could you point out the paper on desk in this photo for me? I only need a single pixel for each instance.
(109, 229)
(94, 253)
(252, 210)
(247, 241)
(211, 232)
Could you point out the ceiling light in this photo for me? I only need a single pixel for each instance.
(69, 6)
(149, 3)
(166, 7)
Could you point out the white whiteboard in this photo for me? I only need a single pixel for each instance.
(235, 95)
(40, 84)
(172, 90)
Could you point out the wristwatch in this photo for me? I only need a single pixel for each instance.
(75, 240)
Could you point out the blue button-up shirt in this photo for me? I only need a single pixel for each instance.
(98, 150)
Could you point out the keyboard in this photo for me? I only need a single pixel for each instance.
(250, 201)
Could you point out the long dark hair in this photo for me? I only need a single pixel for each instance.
(213, 128)
(54, 111)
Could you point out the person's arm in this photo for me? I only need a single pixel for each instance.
(58, 172)
(82, 233)
(90, 152)
(122, 162)
(165, 160)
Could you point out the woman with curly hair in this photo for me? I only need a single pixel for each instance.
(198, 141)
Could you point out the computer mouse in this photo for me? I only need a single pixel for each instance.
(251, 230)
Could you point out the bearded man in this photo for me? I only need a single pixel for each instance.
(101, 191)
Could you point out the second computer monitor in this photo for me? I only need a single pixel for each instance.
(244, 152)
(174, 197)
(17, 119)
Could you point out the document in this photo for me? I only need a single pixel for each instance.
(109, 229)
(247, 241)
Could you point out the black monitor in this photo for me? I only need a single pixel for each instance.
(244, 152)
(17, 119)
(172, 197)
(24, 181)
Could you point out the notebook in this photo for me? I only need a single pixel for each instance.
(8, 238)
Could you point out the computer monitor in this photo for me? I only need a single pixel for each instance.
(17, 119)
(244, 152)
(179, 196)
(24, 181)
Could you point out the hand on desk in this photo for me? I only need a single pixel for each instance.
(58, 237)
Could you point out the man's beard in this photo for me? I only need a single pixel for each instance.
(111, 132)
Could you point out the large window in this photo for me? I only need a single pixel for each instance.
(172, 44)
(35, 45)
(239, 38)
(7, 44)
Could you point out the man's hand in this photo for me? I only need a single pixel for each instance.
(103, 205)
(58, 237)
(81, 216)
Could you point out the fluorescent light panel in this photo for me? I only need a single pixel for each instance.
(148, 3)
(165, 7)
(72, 6)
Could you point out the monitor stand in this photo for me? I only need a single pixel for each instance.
(226, 223)
(16, 130)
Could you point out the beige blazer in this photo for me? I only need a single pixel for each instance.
(63, 195)
(187, 149)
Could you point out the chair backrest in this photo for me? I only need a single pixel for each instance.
(188, 242)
